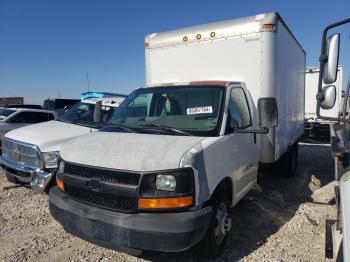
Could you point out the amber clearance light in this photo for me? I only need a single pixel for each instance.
(171, 202)
(269, 27)
(59, 183)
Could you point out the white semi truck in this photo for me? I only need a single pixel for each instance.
(314, 127)
(338, 231)
(179, 152)
(30, 154)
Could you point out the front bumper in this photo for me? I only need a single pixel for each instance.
(169, 232)
(35, 178)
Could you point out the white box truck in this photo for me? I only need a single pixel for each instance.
(30, 154)
(314, 127)
(178, 153)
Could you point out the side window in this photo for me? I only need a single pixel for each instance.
(239, 109)
(42, 117)
(138, 107)
(23, 117)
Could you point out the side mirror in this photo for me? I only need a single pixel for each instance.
(331, 66)
(268, 113)
(11, 120)
(329, 97)
(98, 112)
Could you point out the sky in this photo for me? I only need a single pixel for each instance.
(47, 47)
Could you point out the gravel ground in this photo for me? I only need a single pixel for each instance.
(282, 219)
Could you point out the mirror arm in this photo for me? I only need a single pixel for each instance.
(263, 130)
(346, 98)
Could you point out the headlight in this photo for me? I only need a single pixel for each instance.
(61, 166)
(166, 182)
(167, 189)
(51, 159)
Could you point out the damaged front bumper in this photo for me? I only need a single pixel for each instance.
(36, 179)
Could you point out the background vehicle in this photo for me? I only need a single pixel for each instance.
(30, 154)
(32, 106)
(181, 151)
(318, 128)
(338, 233)
(59, 105)
(13, 118)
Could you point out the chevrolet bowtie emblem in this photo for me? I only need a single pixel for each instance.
(95, 185)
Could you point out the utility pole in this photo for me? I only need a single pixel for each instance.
(87, 79)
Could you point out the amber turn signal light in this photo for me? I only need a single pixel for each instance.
(171, 202)
(338, 154)
(59, 183)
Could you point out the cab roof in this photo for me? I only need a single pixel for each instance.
(224, 83)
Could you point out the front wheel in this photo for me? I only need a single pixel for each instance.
(214, 241)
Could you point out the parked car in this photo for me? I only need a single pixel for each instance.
(30, 154)
(32, 106)
(59, 105)
(13, 118)
(178, 153)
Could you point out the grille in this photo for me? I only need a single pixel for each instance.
(20, 154)
(104, 200)
(105, 175)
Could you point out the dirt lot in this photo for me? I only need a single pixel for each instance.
(280, 220)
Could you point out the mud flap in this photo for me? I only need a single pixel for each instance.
(329, 238)
(334, 241)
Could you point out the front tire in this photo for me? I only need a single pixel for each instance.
(214, 242)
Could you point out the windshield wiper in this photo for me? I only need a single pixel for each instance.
(121, 126)
(167, 129)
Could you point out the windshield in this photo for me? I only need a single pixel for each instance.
(6, 112)
(83, 114)
(181, 109)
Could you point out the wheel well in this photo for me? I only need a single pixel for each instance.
(224, 186)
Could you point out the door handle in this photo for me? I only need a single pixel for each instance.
(254, 138)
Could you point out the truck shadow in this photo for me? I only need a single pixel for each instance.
(270, 205)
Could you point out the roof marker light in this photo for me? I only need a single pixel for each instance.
(268, 27)
(212, 34)
(198, 36)
(185, 38)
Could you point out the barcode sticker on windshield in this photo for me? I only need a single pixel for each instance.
(200, 110)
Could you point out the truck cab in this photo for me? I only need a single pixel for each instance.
(338, 230)
(166, 140)
(29, 154)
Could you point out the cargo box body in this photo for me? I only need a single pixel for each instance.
(259, 51)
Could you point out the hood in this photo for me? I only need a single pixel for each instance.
(48, 136)
(128, 151)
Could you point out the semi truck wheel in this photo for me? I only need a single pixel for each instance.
(214, 241)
